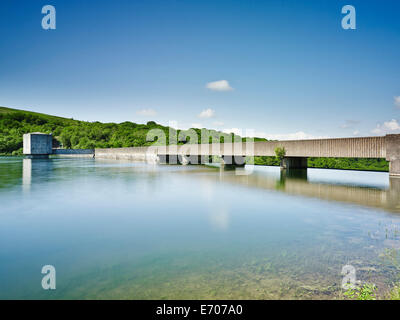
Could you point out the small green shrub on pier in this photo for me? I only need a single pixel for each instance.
(280, 153)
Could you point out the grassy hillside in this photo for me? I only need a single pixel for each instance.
(77, 134)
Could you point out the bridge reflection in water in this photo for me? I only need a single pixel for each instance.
(377, 190)
(370, 189)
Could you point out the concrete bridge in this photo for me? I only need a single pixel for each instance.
(297, 151)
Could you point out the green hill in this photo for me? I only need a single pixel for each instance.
(77, 134)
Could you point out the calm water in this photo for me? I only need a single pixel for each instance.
(125, 230)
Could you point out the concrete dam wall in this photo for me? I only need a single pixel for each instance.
(134, 153)
(87, 153)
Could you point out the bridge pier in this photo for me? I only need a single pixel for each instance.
(168, 158)
(394, 167)
(206, 159)
(228, 162)
(191, 159)
(183, 159)
(393, 153)
(294, 163)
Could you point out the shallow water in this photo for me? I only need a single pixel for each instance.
(123, 230)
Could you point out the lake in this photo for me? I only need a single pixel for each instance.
(124, 230)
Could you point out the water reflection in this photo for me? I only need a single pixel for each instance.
(373, 191)
(300, 174)
(37, 170)
(124, 230)
(26, 174)
(219, 218)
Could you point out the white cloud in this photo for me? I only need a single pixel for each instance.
(221, 85)
(356, 133)
(196, 125)
(218, 123)
(236, 131)
(207, 113)
(391, 126)
(349, 124)
(147, 112)
(397, 101)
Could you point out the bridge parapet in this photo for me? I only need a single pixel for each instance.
(366, 147)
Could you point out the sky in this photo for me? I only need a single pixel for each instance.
(283, 68)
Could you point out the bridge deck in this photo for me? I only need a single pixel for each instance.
(369, 147)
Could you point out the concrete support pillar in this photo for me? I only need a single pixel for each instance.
(190, 159)
(394, 167)
(294, 163)
(183, 159)
(206, 159)
(232, 161)
(163, 158)
(393, 153)
(168, 159)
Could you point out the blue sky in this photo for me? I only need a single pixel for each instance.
(293, 71)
